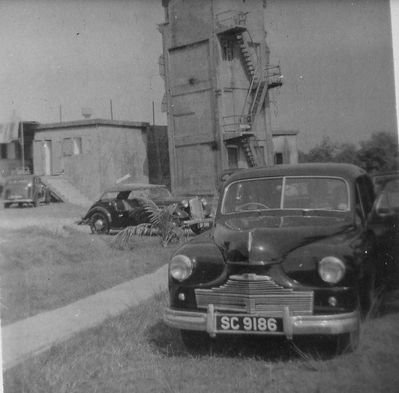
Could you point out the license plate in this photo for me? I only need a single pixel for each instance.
(15, 197)
(248, 324)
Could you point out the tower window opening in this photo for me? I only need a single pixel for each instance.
(227, 49)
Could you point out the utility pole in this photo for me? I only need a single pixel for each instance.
(22, 146)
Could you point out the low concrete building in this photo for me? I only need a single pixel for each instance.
(285, 146)
(92, 153)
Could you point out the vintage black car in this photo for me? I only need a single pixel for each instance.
(25, 189)
(384, 221)
(289, 254)
(124, 205)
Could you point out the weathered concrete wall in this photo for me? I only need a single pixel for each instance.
(108, 152)
(203, 87)
(286, 144)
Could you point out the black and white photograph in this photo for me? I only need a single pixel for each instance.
(199, 196)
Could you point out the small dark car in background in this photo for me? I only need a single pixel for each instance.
(25, 189)
(289, 254)
(124, 205)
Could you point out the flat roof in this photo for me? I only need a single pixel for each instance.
(92, 123)
(284, 132)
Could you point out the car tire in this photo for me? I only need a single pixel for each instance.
(7, 205)
(99, 223)
(194, 341)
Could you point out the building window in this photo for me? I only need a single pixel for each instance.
(227, 49)
(3, 150)
(232, 156)
(71, 146)
(278, 158)
(77, 146)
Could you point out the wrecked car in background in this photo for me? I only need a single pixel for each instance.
(124, 205)
(289, 254)
(25, 189)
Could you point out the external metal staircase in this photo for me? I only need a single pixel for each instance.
(261, 80)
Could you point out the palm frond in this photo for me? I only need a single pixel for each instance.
(163, 223)
(124, 238)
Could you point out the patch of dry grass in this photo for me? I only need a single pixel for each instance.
(136, 352)
(42, 269)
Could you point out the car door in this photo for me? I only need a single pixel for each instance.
(384, 222)
(138, 214)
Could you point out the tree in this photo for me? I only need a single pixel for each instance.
(379, 153)
(323, 152)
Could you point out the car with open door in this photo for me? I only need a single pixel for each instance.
(384, 221)
(124, 205)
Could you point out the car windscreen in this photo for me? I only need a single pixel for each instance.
(151, 193)
(306, 192)
(109, 195)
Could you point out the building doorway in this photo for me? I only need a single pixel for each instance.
(47, 164)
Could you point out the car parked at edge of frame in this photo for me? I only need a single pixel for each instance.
(289, 254)
(25, 189)
(124, 205)
(384, 220)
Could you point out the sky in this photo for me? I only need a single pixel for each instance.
(80, 53)
(58, 57)
(337, 62)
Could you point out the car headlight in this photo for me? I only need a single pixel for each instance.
(184, 202)
(204, 201)
(331, 269)
(180, 267)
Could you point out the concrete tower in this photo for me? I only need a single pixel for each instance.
(215, 64)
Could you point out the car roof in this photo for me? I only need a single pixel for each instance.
(347, 171)
(133, 186)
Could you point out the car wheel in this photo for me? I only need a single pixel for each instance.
(99, 223)
(6, 205)
(196, 341)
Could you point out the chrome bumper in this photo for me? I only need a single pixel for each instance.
(292, 324)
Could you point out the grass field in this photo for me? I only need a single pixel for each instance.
(136, 352)
(43, 268)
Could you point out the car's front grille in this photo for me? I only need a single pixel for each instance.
(254, 293)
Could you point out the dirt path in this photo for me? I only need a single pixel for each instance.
(35, 335)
